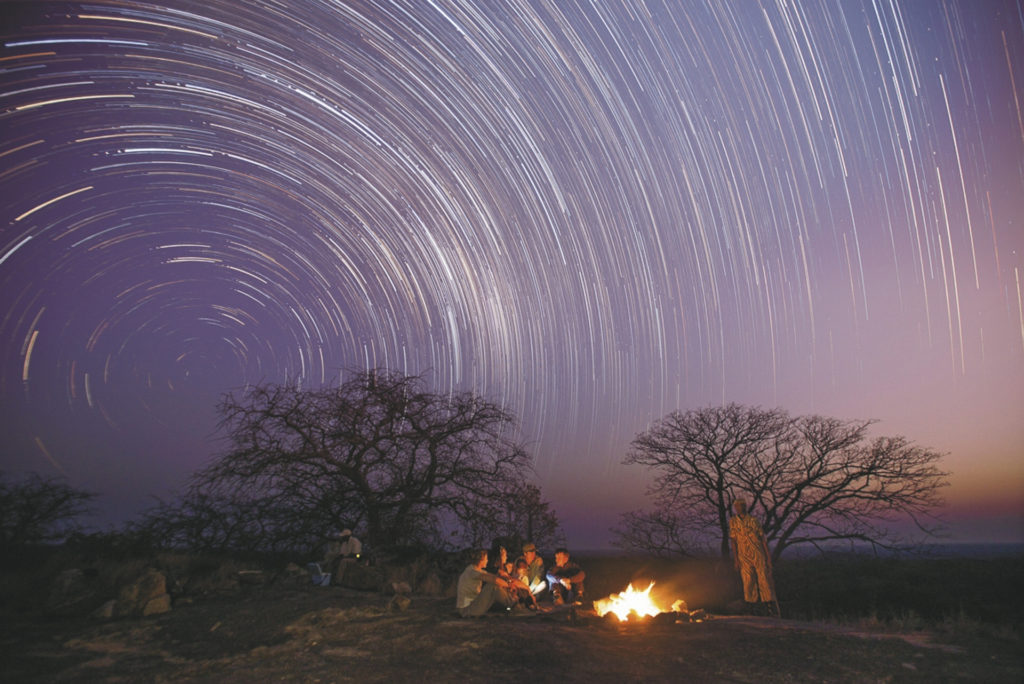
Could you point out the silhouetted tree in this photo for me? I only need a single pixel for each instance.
(811, 480)
(379, 454)
(515, 516)
(219, 522)
(533, 519)
(40, 510)
(659, 532)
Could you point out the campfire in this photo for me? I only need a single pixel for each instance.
(632, 602)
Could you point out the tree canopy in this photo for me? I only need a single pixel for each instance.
(379, 454)
(812, 480)
(39, 509)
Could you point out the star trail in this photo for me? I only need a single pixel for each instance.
(591, 212)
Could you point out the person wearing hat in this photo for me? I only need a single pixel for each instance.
(534, 568)
(343, 549)
(350, 546)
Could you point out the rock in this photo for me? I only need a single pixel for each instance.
(399, 574)
(68, 581)
(294, 576)
(611, 620)
(71, 592)
(106, 611)
(362, 577)
(155, 606)
(431, 585)
(667, 618)
(398, 603)
(134, 598)
(251, 577)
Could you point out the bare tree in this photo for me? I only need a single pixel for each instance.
(40, 510)
(813, 480)
(844, 485)
(515, 516)
(378, 453)
(697, 454)
(533, 519)
(219, 522)
(659, 532)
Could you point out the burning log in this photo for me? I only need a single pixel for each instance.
(635, 607)
(627, 603)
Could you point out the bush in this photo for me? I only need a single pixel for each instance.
(39, 510)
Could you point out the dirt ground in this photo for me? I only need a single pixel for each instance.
(331, 634)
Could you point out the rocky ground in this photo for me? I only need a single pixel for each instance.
(332, 634)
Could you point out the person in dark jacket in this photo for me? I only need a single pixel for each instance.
(565, 578)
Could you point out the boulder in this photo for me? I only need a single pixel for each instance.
(71, 592)
(293, 570)
(251, 577)
(157, 605)
(431, 585)
(357, 576)
(399, 603)
(135, 598)
(106, 611)
(399, 574)
(294, 576)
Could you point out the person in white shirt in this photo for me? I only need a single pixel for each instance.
(343, 549)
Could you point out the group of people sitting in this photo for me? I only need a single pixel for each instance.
(491, 581)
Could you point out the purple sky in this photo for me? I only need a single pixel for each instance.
(592, 213)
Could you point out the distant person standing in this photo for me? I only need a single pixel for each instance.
(750, 556)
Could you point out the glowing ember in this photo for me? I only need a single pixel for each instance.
(629, 601)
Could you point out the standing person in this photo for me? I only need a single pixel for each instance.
(534, 568)
(565, 579)
(750, 556)
(478, 589)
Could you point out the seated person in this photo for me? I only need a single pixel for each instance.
(497, 558)
(535, 569)
(500, 565)
(479, 590)
(519, 587)
(565, 579)
(342, 549)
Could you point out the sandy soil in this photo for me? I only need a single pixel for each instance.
(313, 634)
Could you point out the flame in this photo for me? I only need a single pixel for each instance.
(629, 601)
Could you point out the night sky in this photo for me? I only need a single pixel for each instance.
(592, 213)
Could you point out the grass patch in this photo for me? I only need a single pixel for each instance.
(960, 596)
(903, 592)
